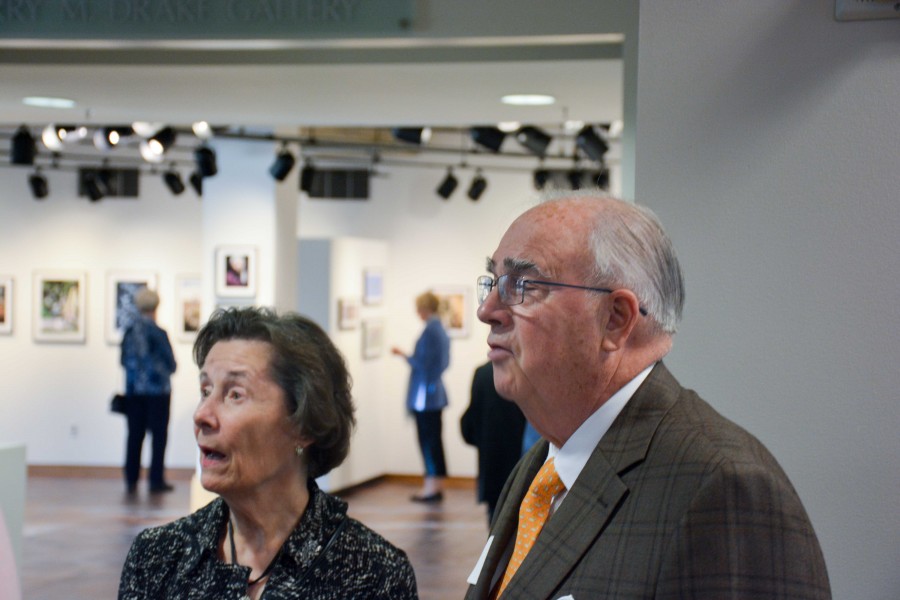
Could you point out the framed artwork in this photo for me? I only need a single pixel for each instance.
(6, 304)
(188, 302)
(121, 286)
(236, 270)
(455, 309)
(373, 338)
(348, 313)
(373, 286)
(60, 303)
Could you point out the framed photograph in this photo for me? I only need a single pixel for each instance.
(121, 286)
(188, 303)
(348, 313)
(455, 309)
(236, 269)
(60, 303)
(373, 338)
(373, 286)
(6, 304)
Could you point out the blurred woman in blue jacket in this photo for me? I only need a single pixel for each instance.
(426, 397)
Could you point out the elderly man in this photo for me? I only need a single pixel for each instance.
(639, 489)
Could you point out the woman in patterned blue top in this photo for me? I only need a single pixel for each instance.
(275, 412)
(149, 364)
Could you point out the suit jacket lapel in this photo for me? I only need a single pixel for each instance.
(588, 506)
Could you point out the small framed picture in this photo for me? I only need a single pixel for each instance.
(60, 304)
(373, 286)
(188, 303)
(455, 309)
(121, 286)
(6, 304)
(236, 271)
(373, 338)
(348, 313)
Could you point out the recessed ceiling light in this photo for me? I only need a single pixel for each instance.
(528, 99)
(48, 102)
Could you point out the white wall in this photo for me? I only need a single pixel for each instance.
(767, 140)
(56, 396)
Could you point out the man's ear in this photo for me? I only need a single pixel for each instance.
(623, 314)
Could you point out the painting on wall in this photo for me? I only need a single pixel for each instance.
(373, 338)
(373, 286)
(6, 304)
(455, 309)
(121, 286)
(59, 306)
(348, 313)
(188, 303)
(236, 269)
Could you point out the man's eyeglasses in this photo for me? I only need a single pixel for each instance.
(512, 290)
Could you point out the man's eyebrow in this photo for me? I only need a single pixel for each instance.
(520, 266)
(489, 265)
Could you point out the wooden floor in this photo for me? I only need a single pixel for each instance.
(78, 531)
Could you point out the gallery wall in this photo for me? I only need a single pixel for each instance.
(767, 140)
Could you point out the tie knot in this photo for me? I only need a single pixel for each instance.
(547, 483)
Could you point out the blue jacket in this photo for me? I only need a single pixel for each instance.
(147, 358)
(429, 360)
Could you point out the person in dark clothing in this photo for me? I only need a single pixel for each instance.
(495, 426)
(149, 363)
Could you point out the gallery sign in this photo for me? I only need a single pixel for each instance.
(201, 19)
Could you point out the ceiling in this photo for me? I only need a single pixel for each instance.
(363, 84)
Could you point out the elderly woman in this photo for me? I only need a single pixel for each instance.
(275, 413)
(426, 396)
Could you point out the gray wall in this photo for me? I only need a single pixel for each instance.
(767, 140)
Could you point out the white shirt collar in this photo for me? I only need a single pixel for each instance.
(571, 458)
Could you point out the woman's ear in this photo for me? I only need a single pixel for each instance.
(623, 314)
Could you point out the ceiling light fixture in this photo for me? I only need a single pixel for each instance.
(489, 137)
(477, 187)
(534, 139)
(38, 184)
(173, 181)
(307, 175)
(202, 130)
(528, 99)
(283, 164)
(590, 142)
(508, 126)
(412, 135)
(448, 184)
(94, 187)
(54, 136)
(196, 181)
(107, 138)
(48, 102)
(162, 140)
(23, 148)
(541, 177)
(205, 158)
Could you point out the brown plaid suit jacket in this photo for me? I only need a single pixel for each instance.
(675, 502)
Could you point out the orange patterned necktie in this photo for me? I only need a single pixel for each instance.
(533, 514)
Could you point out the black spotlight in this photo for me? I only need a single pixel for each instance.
(205, 158)
(447, 185)
(477, 187)
(173, 181)
(38, 184)
(162, 140)
(24, 147)
(94, 186)
(489, 137)
(575, 176)
(541, 177)
(591, 144)
(601, 179)
(196, 181)
(307, 175)
(534, 139)
(412, 135)
(283, 164)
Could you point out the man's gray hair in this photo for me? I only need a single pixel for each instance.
(632, 250)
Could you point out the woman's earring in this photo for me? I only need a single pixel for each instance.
(299, 450)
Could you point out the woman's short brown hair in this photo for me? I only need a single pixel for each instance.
(306, 365)
(428, 301)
